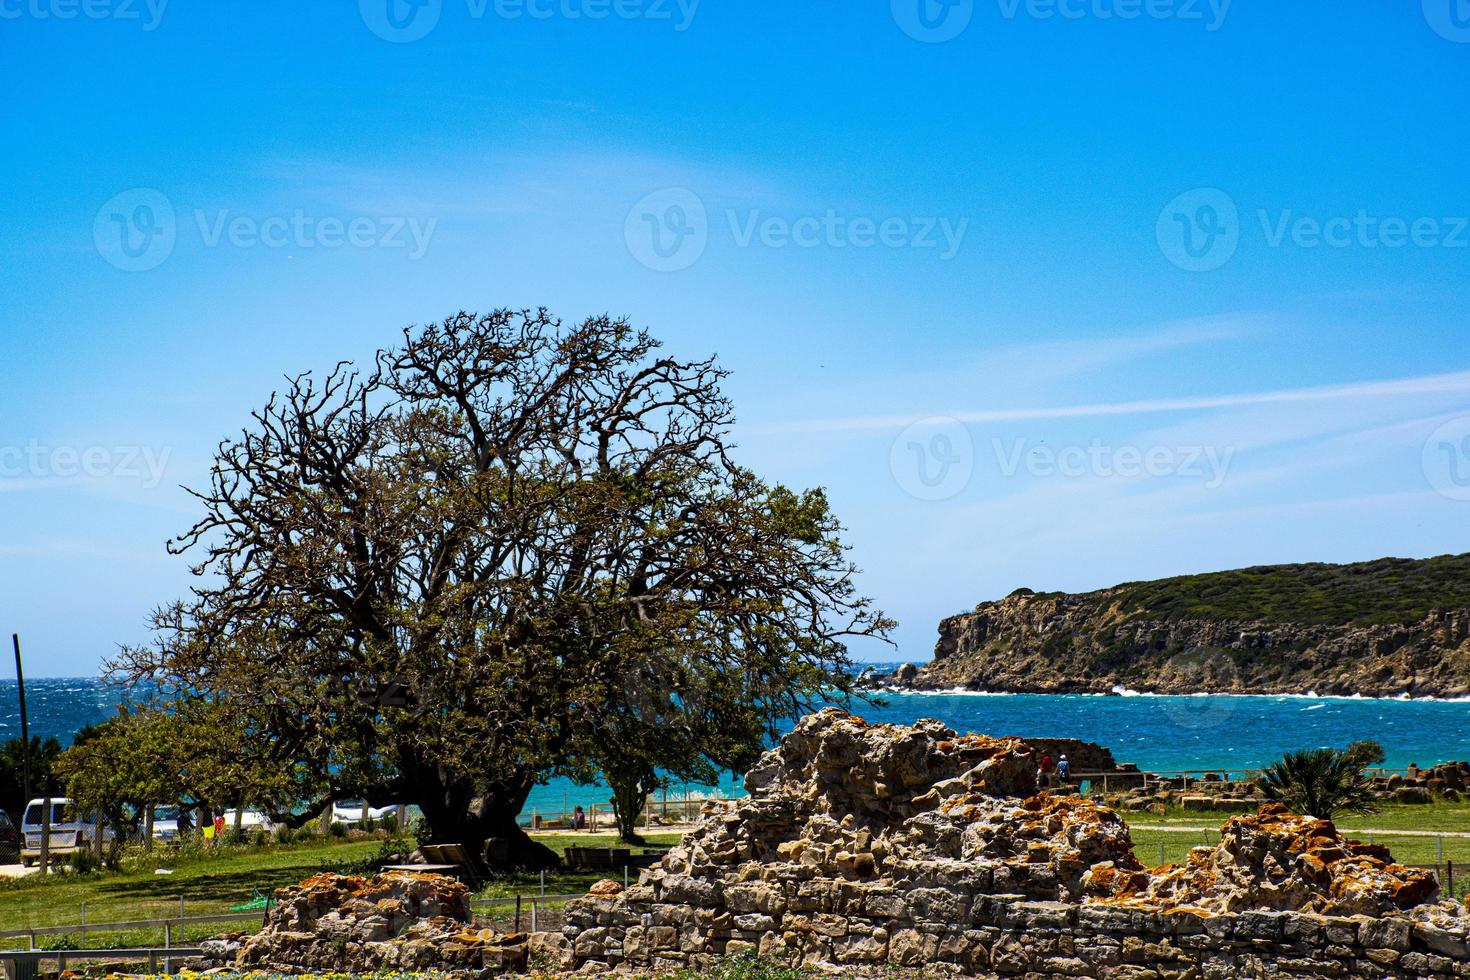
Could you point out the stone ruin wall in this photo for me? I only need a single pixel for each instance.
(864, 848)
(879, 846)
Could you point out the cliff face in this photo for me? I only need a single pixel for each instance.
(1094, 643)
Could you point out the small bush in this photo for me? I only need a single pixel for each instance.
(285, 835)
(339, 830)
(84, 861)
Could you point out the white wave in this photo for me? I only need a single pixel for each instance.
(958, 692)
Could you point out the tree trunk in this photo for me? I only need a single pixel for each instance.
(630, 796)
(486, 827)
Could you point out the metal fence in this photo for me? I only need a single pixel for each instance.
(27, 965)
(82, 927)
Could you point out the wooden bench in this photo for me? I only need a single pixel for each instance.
(597, 858)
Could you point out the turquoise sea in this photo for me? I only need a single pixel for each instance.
(1157, 733)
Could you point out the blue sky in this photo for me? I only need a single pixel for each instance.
(1053, 295)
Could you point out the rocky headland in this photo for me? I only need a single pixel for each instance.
(1381, 629)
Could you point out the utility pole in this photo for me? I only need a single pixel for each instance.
(25, 725)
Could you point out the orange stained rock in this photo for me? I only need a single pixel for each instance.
(1275, 856)
(606, 888)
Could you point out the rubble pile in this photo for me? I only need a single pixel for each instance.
(394, 921)
(1275, 860)
(1449, 781)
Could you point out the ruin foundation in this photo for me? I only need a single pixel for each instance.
(867, 847)
(872, 846)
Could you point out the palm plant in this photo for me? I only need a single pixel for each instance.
(1320, 782)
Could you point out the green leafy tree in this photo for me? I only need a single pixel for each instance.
(1368, 754)
(416, 581)
(188, 752)
(44, 753)
(1320, 782)
(661, 722)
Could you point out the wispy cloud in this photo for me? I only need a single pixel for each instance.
(1458, 381)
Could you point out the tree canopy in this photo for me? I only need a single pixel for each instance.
(480, 560)
(44, 753)
(189, 752)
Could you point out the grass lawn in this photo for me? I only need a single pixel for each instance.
(211, 883)
(1443, 817)
(1450, 818)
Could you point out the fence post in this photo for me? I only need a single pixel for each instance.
(534, 903)
(518, 913)
(1439, 856)
(1161, 854)
(84, 925)
(45, 859)
(1449, 870)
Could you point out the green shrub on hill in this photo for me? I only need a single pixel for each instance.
(1389, 590)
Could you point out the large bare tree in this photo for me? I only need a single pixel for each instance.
(428, 581)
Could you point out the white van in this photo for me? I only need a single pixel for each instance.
(70, 831)
(249, 820)
(350, 812)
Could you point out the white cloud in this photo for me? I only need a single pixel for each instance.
(1397, 388)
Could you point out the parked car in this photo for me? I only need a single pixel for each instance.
(249, 820)
(349, 812)
(166, 823)
(70, 831)
(9, 838)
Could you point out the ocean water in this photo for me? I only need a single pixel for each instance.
(1157, 733)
